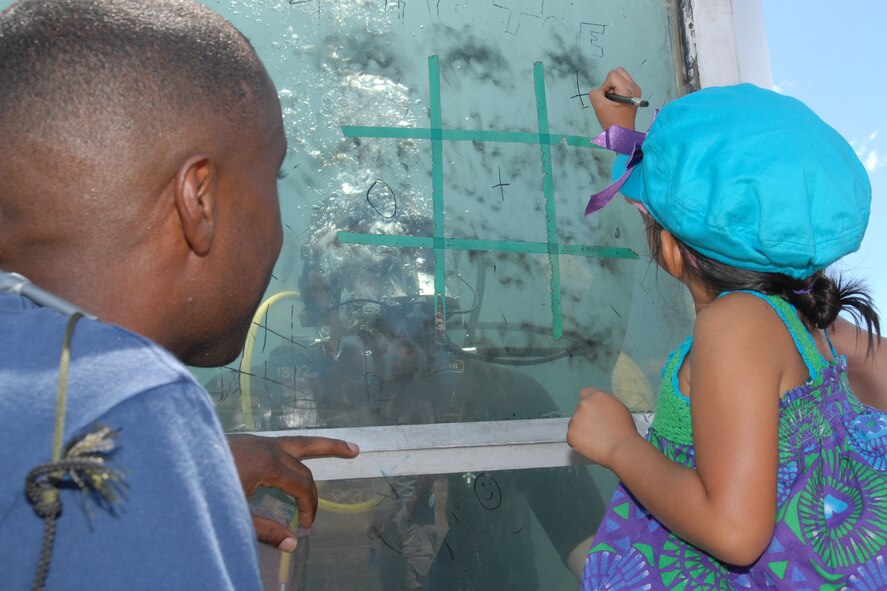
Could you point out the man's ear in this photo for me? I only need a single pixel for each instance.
(670, 255)
(195, 196)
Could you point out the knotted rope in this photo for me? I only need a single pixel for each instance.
(83, 460)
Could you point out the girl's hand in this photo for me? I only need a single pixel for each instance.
(612, 113)
(600, 425)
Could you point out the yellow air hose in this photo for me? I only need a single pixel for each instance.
(246, 399)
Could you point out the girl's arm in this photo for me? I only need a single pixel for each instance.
(727, 506)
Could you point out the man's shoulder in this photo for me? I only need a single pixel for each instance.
(179, 482)
(108, 365)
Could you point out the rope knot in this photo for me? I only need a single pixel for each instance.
(42, 490)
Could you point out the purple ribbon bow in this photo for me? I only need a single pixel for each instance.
(621, 141)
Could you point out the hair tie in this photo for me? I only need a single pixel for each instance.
(806, 290)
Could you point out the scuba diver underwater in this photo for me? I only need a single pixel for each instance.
(384, 353)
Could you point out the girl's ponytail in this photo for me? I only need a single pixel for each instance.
(823, 298)
(818, 298)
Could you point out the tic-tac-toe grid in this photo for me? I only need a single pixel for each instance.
(437, 135)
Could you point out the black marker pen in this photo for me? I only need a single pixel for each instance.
(628, 100)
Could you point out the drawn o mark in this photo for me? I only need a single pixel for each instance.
(380, 192)
(488, 492)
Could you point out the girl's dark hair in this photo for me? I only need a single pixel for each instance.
(818, 299)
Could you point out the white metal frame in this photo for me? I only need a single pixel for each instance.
(403, 450)
(725, 42)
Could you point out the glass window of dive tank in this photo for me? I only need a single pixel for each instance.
(437, 270)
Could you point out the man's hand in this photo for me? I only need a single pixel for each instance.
(612, 113)
(275, 462)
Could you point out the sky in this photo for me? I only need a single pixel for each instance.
(831, 55)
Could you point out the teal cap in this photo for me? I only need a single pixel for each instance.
(753, 179)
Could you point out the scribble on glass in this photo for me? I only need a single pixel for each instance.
(374, 384)
(288, 340)
(375, 531)
(400, 6)
(521, 14)
(488, 492)
(580, 95)
(501, 186)
(382, 199)
(592, 32)
(227, 384)
(450, 550)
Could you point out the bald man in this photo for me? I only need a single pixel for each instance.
(140, 144)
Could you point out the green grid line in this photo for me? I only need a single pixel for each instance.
(513, 246)
(437, 184)
(557, 322)
(468, 135)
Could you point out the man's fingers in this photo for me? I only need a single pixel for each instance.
(276, 462)
(275, 534)
(308, 507)
(295, 479)
(316, 447)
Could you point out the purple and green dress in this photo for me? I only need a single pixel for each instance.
(831, 523)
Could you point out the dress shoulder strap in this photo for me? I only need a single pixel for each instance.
(802, 338)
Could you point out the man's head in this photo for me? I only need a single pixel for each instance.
(139, 150)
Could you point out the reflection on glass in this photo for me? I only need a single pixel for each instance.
(471, 531)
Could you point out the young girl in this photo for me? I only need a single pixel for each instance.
(762, 469)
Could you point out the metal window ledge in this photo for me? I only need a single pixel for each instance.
(403, 450)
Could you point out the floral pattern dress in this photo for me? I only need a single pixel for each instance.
(831, 527)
